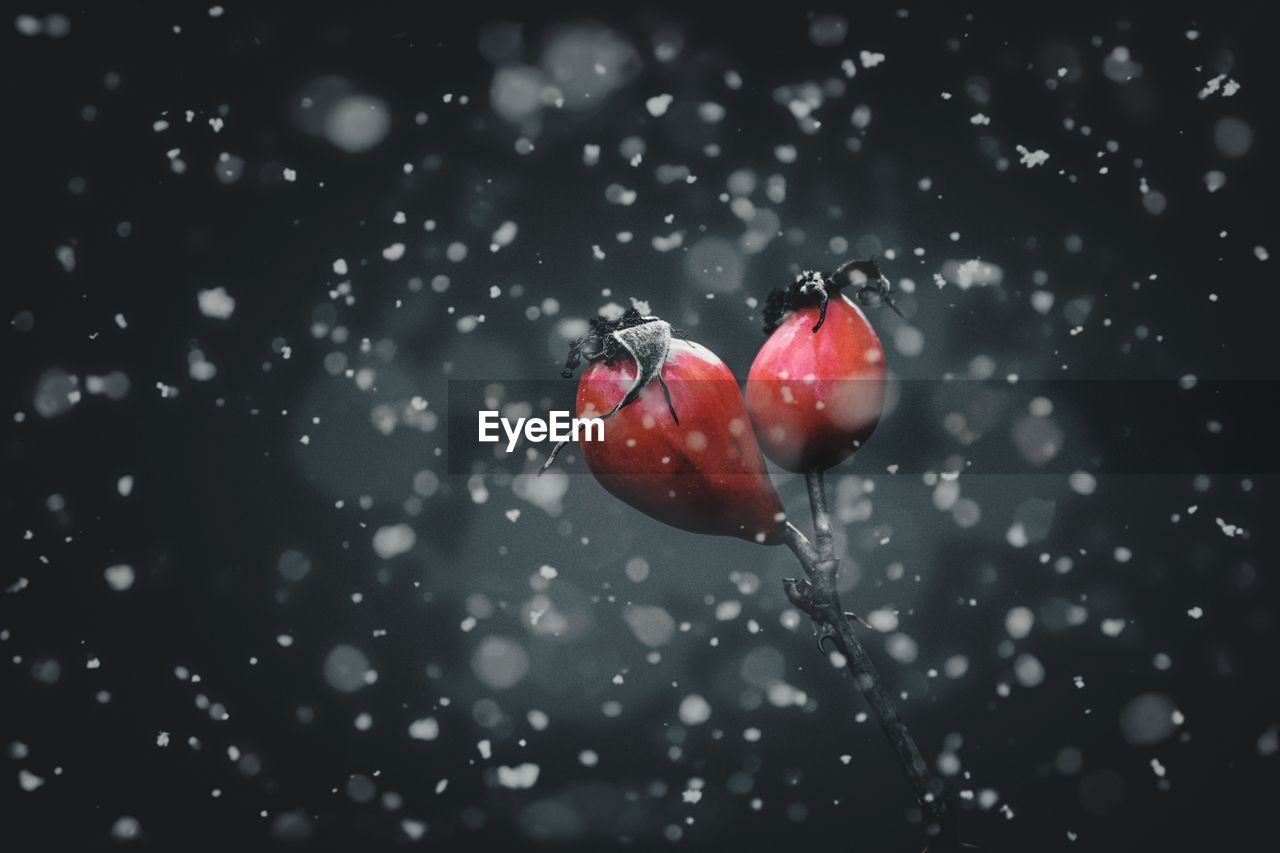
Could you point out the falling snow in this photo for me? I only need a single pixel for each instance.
(257, 575)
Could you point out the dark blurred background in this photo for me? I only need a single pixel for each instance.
(248, 598)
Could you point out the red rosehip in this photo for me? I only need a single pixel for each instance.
(681, 450)
(816, 389)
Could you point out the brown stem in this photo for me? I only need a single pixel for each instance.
(818, 597)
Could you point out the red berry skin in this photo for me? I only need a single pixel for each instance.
(704, 474)
(816, 397)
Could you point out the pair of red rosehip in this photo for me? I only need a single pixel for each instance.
(681, 446)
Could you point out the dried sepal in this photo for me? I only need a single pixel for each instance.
(645, 338)
(813, 288)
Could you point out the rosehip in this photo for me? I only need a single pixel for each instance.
(678, 444)
(816, 389)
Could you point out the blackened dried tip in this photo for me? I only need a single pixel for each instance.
(597, 343)
(813, 288)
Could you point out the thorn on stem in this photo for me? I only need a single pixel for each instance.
(858, 619)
